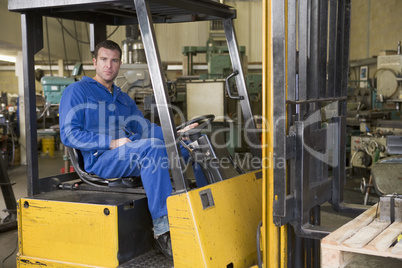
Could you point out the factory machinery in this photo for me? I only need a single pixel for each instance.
(374, 117)
(374, 111)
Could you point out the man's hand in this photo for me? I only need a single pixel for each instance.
(119, 142)
(193, 125)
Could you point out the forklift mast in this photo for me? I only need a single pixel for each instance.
(305, 75)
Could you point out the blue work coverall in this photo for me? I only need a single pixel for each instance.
(90, 117)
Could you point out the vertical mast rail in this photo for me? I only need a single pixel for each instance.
(161, 95)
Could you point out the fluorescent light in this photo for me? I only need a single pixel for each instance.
(8, 58)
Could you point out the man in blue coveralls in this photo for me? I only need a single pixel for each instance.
(115, 139)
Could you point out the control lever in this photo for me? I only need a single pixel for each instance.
(228, 88)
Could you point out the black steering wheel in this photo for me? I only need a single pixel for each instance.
(195, 133)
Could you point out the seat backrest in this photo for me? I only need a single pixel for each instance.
(77, 161)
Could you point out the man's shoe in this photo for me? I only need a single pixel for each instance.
(164, 245)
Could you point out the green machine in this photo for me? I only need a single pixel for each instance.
(53, 86)
(219, 65)
(218, 59)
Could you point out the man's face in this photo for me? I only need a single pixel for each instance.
(107, 64)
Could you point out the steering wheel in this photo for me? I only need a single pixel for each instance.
(195, 133)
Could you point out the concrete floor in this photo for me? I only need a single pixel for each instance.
(52, 165)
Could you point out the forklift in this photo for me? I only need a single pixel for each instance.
(66, 223)
(265, 217)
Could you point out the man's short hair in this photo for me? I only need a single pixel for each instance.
(108, 44)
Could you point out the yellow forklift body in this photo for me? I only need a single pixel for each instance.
(70, 229)
(216, 226)
(67, 232)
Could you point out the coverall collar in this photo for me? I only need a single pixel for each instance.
(116, 89)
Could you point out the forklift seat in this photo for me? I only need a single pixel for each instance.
(77, 160)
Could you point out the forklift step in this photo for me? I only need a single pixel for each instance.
(152, 258)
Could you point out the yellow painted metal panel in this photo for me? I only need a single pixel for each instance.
(69, 232)
(222, 234)
(184, 233)
(270, 233)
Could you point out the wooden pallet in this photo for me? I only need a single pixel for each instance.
(365, 234)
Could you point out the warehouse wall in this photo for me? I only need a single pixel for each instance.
(10, 38)
(376, 26)
(8, 82)
(10, 27)
(248, 26)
